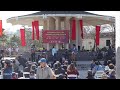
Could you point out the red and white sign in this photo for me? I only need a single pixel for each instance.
(55, 36)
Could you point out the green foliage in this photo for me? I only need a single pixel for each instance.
(38, 43)
(14, 40)
(3, 38)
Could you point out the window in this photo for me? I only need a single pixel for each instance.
(107, 42)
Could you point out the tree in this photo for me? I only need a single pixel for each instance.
(29, 41)
(3, 38)
(15, 40)
(90, 32)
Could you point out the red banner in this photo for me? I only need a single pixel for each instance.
(74, 29)
(33, 31)
(55, 36)
(81, 27)
(36, 23)
(97, 35)
(22, 33)
(1, 28)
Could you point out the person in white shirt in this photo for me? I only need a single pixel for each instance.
(54, 52)
(107, 66)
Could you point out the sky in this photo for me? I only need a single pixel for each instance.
(7, 14)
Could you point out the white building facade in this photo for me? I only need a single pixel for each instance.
(89, 43)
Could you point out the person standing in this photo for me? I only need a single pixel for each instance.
(33, 49)
(44, 71)
(54, 53)
(74, 53)
(74, 49)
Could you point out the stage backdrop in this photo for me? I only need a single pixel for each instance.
(55, 36)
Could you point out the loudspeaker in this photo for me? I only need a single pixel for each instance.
(107, 42)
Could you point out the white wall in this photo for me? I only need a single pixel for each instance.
(102, 43)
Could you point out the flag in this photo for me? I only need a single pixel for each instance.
(81, 28)
(1, 28)
(97, 35)
(36, 24)
(73, 29)
(22, 33)
(33, 31)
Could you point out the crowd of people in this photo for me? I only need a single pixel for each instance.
(9, 51)
(64, 68)
(11, 69)
(108, 70)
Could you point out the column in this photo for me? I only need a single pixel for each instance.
(77, 33)
(50, 26)
(45, 28)
(67, 27)
(80, 40)
(57, 23)
(117, 19)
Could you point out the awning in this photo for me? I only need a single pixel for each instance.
(88, 18)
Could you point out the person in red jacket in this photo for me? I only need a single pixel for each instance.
(72, 70)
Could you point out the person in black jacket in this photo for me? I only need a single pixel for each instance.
(33, 50)
(22, 61)
(90, 75)
(59, 70)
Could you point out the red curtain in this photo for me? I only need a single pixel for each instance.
(97, 35)
(33, 31)
(73, 29)
(22, 33)
(36, 24)
(81, 27)
(0, 27)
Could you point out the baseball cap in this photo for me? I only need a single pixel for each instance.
(42, 60)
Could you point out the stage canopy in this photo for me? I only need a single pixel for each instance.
(88, 18)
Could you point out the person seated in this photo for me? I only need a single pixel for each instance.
(33, 68)
(26, 69)
(14, 75)
(107, 66)
(7, 72)
(15, 67)
(61, 76)
(65, 65)
(90, 75)
(97, 67)
(20, 74)
(72, 70)
(104, 76)
(112, 72)
(59, 70)
(92, 65)
(32, 74)
(55, 66)
(112, 75)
